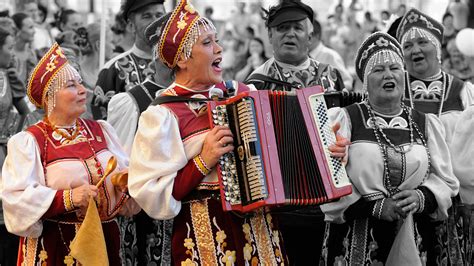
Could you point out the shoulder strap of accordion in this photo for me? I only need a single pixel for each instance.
(176, 99)
(260, 77)
(321, 68)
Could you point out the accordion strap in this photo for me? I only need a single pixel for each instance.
(264, 78)
(177, 99)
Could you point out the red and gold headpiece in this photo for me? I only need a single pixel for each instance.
(49, 75)
(181, 33)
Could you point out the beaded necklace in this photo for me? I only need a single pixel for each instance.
(376, 128)
(69, 135)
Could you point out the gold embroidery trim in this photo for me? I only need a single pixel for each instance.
(29, 251)
(203, 232)
(201, 165)
(67, 199)
(262, 238)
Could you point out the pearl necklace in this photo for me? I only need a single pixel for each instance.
(433, 77)
(387, 183)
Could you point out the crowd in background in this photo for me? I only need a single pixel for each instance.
(243, 37)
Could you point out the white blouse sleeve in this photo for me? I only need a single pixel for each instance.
(334, 211)
(467, 94)
(24, 193)
(157, 155)
(462, 151)
(441, 180)
(122, 114)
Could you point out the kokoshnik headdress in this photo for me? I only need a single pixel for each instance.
(415, 22)
(181, 33)
(50, 74)
(378, 48)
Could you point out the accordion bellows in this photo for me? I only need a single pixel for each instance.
(281, 154)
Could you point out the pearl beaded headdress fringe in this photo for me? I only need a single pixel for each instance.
(64, 75)
(413, 32)
(380, 57)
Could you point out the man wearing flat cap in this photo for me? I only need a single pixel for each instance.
(290, 28)
(132, 67)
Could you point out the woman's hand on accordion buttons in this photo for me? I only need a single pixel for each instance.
(338, 149)
(217, 142)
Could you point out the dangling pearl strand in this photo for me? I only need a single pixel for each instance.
(387, 183)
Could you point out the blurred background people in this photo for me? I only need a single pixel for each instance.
(326, 55)
(11, 97)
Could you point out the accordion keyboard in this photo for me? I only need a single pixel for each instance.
(338, 171)
(227, 161)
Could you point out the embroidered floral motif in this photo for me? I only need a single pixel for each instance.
(226, 256)
(412, 17)
(248, 252)
(50, 66)
(188, 262)
(182, 24)
(275, 236)
(382, 42)
(249, 249)
(43, 256)
(340, 261)
(189, 245)
(229, 258)
(220, 237)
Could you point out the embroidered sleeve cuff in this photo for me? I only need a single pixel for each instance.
(67, 200)
(201, 165)
(377, 209)
(430, 204)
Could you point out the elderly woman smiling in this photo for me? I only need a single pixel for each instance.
(53, 167)
(396, 164)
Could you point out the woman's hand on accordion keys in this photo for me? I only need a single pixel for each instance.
(217, 142)
(338, 149)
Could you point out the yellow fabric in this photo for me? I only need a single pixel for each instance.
(88, 247)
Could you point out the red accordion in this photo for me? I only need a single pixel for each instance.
(281, 154)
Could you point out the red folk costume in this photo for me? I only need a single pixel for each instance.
(45, 163)
(168, 178)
